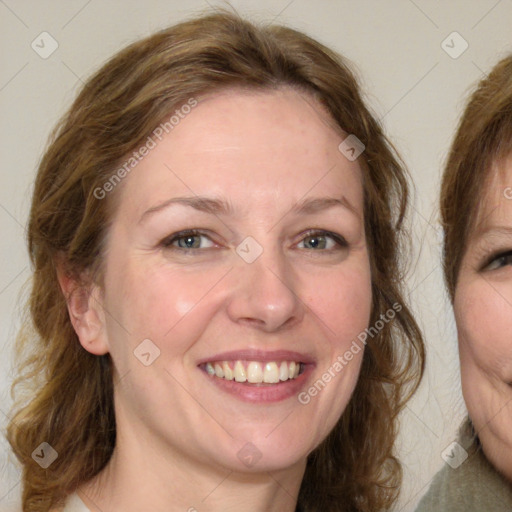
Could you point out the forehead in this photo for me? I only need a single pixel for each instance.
(251, 145)
(494, 207)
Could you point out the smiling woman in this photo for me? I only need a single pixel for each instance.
(477, 219)
(251, 257)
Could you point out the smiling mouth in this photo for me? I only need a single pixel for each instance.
(255, 372)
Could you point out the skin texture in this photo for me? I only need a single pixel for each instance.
(483, 312)
(178, 433)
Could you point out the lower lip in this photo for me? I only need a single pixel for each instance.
(265, 393)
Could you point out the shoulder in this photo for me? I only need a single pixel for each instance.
(471, 487)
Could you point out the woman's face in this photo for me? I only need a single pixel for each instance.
(238, 247)
(483, 312)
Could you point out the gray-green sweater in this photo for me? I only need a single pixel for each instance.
(474, 486)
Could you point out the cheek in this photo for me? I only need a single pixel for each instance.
(484, 323)
(159, 303)
(342, 303)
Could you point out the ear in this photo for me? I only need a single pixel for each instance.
(85, 308)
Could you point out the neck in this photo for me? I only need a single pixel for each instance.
(143, 477)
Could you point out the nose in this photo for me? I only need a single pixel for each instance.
(265, 293)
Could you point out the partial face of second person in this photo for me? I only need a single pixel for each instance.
(263, 165)
(483, 312)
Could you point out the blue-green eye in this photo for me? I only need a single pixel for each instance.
(192, 240)
(188, 240)
(322, 240)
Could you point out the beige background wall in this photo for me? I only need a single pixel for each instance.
(414, 82)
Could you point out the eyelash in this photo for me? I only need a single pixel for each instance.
(338, 239)
(495, 257)
(167, 243)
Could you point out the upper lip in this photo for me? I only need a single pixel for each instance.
(259, 355)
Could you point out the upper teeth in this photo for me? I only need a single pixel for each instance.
(254, 371)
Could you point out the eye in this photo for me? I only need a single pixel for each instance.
(188, 240)
(498, 261)
(322, 240)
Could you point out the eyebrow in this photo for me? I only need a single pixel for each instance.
(493, 231)
(322, 203)
(219, 206)
(202, 204)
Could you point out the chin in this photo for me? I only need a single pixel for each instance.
(273, 463)
(260, 456)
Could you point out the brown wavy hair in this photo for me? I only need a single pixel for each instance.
(483, 138)
(71, 405)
